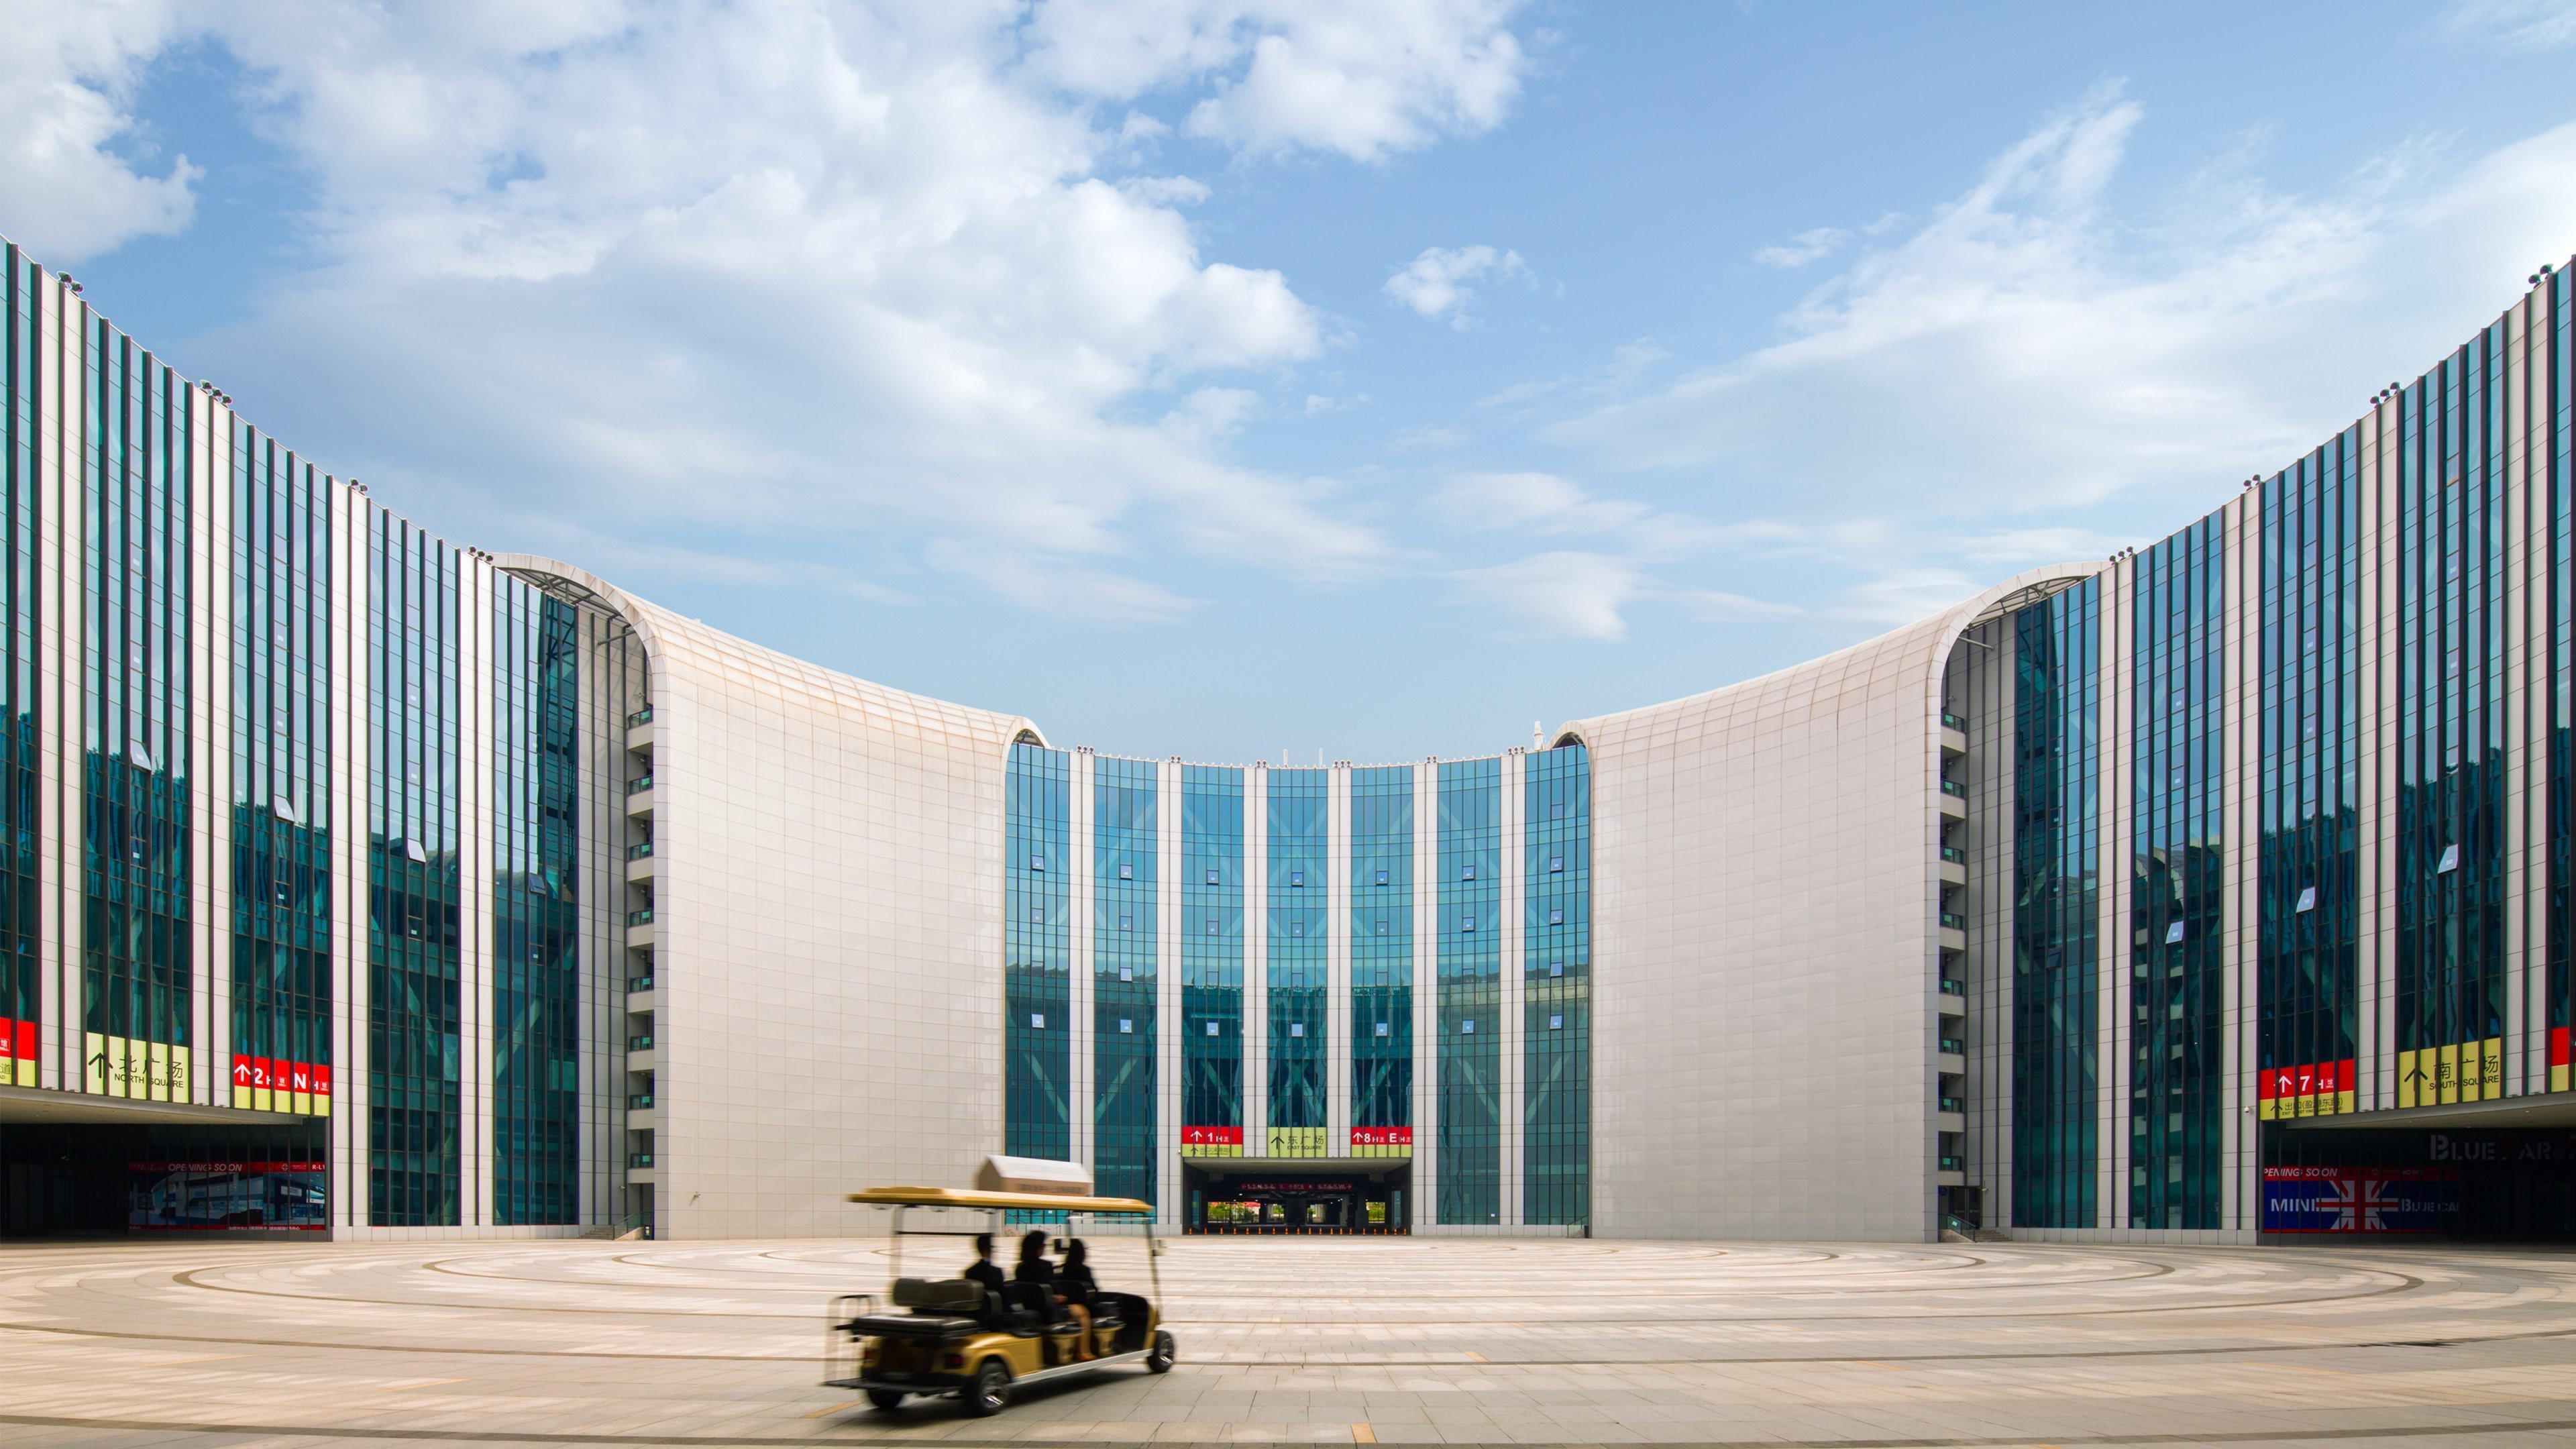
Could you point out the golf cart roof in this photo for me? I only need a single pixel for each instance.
(955, 1197)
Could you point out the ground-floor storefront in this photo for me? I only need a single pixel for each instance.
(2455, 1179)
(149, 1171)
(1343, 1195)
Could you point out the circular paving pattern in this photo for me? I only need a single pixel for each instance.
(1403, 1340)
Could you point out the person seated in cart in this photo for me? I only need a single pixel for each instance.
(1056, 1303)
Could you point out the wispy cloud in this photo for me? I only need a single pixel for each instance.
(1805, 247)
(1436, 283)
(2038, 343)
(2517, 24)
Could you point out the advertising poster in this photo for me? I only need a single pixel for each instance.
(2360, 1199)
(206, 1196)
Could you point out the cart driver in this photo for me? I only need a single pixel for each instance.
(984, 1270)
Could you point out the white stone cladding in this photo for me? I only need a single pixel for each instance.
(827, 933)
(1763, 899)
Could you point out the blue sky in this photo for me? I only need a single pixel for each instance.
(1224, 377)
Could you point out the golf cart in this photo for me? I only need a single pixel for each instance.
(947, 1335)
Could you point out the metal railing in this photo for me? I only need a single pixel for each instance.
(642, 716)
(639, 784)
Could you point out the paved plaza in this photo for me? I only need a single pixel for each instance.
(1313, 1341)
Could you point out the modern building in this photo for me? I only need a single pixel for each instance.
(360, 883)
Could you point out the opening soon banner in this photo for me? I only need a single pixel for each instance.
(215, 1195)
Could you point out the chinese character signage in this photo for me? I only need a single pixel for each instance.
(1381, 1142)
(142, 1071)
(274, 1084)
(17, 1053)
(2471, 1071)
(1211, 1142)
(2318, 1089)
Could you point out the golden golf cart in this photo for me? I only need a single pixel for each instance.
(946, 1335)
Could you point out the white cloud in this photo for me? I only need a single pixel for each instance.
(785, 279)
(2033, 345)
(1364, 78)
(1805, 247)
(1533, 502)
(1436, 282)
(75, 175)
(2518, 24)
(1584, 594)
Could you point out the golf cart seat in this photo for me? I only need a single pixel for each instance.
(942, 1308)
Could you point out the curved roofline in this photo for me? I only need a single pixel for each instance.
(576, 585)
(2027, 586)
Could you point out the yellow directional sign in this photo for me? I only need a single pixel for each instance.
(142, 1071)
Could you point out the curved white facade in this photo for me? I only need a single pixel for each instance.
(365, 884)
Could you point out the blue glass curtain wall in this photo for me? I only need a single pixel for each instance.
(281, 775)
(20, 362)
(1126, 844)
(2555, 401)
(2177, 1067)
(1556, 975)
(1469, 965)
(1211, 960)
(1037, 942)
(414, 1068)
(1300, 869)
(536, 923)
(2056, 902)
(2451, 721)
(1381, 1013)
(137, 973)
(2308, 874)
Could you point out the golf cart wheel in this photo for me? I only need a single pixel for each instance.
(991, 1391)
(887, 1399)
(1165, 1350)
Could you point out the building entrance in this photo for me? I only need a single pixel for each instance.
(1297, 1195)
